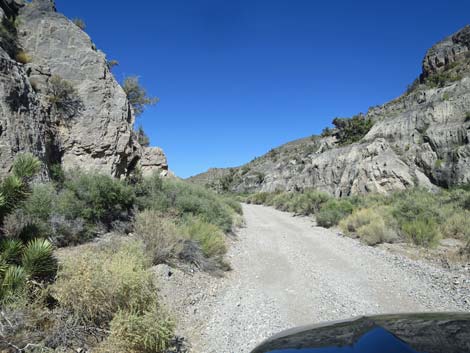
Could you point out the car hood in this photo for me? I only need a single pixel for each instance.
(413, 333)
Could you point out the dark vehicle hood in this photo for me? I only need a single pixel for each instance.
(401, 333)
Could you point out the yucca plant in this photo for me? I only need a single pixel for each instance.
(13, 281)
(23, 257)
(38, 259)
(15, 188)
(11, 251)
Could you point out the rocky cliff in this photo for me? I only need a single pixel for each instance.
(59, 99)
(418, 139)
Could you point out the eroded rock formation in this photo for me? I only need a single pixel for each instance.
(418, 139)
(98, 134)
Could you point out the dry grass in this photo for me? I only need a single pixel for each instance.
(97, 282)
(161, 237)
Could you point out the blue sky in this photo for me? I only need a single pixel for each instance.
(237, 78)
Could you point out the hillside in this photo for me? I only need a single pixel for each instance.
(418, 139)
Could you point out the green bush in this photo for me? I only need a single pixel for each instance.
(333, 211)
(186, 199)
(351, 130)
(98, 281)
(97, 198)
(423, 232)
(209, 237)
(135, 332)
(308, 202)
(259, 198)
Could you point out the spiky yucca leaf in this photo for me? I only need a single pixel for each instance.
(2, 200)
(26, 166)
(13, 191)
(14, 279)
(38, 259)
(3, 268)
(11, 251)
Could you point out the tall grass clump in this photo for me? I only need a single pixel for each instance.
(98, 281)
(208, 236)
(162, 238)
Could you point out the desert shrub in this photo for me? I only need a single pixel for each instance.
(308, 202)
(186, 199)
(418, 203)
(23, 57)
(41, 202)
(457, 226)
(373, 226)
(208, 236)
(351, 130)
(280, 201)
(357, 219)
(63, 97)
(259, 198)
(440, 79)
(79, 23)
(98, 281)
(376, 232)
(135, 332)
(467, 116)
(68, 232)
(97, 198)
(333, 211)
(137, 95)
(233, 204)
(161, 237)
(422, 231)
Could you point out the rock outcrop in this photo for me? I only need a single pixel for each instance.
(153, 161)
(97, 133)
(418, 139)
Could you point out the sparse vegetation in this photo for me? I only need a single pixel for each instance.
(112, 64)
(63, 97)
(80, 23)
(440, 79)
(23, 57)
(103, 293)
(417, 216)
(467, 116)
(142, 137)
(351, 130)
(137, 95)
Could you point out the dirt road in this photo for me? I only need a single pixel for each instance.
(288, 272)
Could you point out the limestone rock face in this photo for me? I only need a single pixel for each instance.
(99, 135)
(419, 139)
(153, 161)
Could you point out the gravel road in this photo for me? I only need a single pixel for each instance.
(287, 272)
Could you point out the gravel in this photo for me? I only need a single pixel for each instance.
(287, 272)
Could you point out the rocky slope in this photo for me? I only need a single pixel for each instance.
(418, 139)
(44, 55)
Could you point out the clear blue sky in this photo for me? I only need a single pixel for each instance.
(237, 78)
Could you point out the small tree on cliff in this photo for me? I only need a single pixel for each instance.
(137, 95)
(142, 137)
